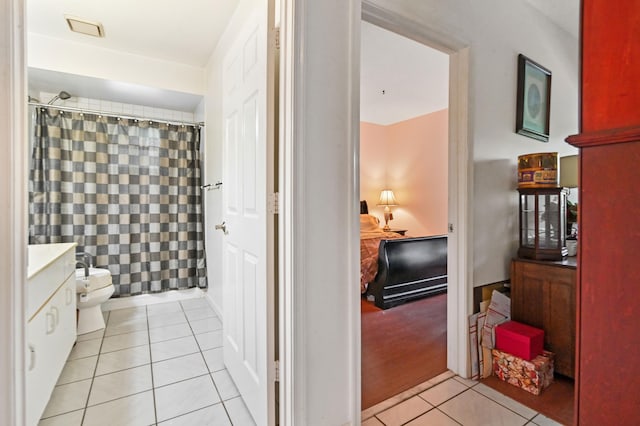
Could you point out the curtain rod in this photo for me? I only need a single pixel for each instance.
(113, 114)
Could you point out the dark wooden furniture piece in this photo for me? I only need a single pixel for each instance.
(543, 223)
(543, 295)
(409, 269)
(608, 294)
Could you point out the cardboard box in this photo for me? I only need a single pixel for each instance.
(538, 170)
(533, 376)
(519, 339)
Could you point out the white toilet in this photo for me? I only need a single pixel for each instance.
(92, 292)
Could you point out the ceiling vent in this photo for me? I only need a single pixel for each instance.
(83, 26)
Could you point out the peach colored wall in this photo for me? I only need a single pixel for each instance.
(411, 158)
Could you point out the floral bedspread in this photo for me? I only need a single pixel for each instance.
(369, 244)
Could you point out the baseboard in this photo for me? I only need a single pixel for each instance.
(153, 298)
(217, 308)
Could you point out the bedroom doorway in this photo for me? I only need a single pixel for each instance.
(404, 147)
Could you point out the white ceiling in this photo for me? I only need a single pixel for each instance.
(414, 77)
(185, 32)
(179, 31)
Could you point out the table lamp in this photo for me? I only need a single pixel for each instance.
(387, 199)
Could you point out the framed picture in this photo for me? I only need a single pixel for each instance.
(534, 99)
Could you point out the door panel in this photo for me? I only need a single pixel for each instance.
(248, 314)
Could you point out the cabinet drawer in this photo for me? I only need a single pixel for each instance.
(45, 283)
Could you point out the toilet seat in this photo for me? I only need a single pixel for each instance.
(98, 278)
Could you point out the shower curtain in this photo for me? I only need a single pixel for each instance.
(127, 191)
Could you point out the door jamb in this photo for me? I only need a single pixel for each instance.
(460, 174)
(13, 202)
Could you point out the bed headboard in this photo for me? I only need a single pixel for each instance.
(364, 209)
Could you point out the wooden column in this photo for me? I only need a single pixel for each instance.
(608, 292)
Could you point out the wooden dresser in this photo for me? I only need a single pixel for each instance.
(543, 294)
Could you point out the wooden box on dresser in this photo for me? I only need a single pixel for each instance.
(543, 295)
(51, 326)
(608, 292)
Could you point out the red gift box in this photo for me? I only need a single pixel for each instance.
(519, 339)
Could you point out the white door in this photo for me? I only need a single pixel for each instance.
(247, 303)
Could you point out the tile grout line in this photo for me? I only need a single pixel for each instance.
(224, 407)
(411, 392)
(153, 386)
(95, 368)
(400, 402)
(100, 354)
(436, 407)
(502, 405)
(446, 400)
(448, 416)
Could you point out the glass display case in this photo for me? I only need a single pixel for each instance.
(543, 223)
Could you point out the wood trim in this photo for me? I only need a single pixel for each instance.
(291, 345)
(460, 242)
(313, 377)
(605, 137)
(13, 199)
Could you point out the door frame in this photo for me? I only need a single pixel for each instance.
(460, 174)
(13, 202)
(297, 80)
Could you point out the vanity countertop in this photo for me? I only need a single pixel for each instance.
(42, 255)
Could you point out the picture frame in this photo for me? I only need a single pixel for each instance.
(533, 103)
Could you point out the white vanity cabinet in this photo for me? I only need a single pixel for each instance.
(51, 327)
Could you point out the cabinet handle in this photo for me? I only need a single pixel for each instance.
(32, 357)
(69, 295)
(51, 322)
(56, 312)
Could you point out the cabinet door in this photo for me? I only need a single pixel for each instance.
(527, 294)
(543, 295)
(66, 331)
(50, 337)
(40, 362)
(560, 313)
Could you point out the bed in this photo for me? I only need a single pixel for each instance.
(396, 269)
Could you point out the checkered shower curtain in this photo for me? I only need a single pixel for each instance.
(127, 192)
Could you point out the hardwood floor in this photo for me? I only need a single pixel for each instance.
(555, 402)
(405, 346)
(402, 347)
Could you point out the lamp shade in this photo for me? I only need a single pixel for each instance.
(387, 198)
(569, 171)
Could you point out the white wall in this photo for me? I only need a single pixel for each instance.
(82, 59)
(116, 108)
(497, 31)
(411, 158)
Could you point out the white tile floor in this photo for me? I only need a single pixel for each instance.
(162, 365)
(451, 400)
(152, 365)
